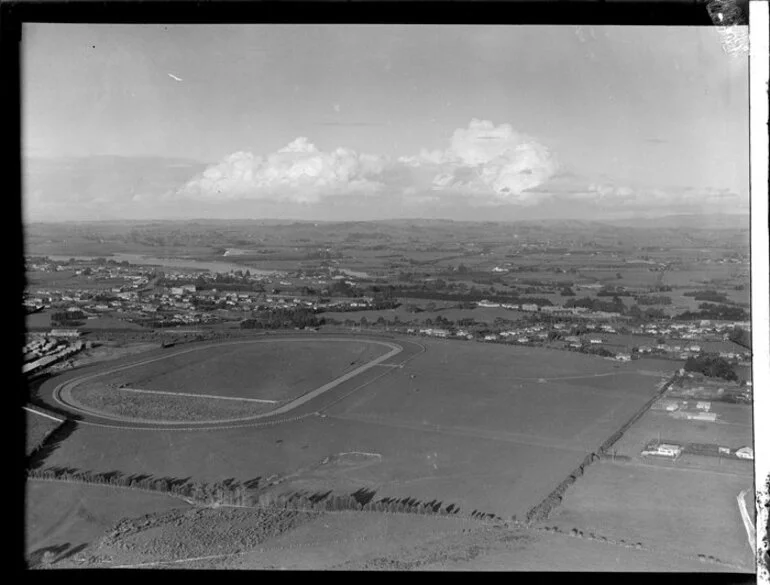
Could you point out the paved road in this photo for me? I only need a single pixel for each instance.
(56, 391)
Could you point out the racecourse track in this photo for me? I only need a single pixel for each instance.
(56, 392)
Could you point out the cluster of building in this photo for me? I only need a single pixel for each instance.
(44, 350)
(673, 450)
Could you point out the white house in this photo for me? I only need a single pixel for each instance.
(664, 449)
(745, 453)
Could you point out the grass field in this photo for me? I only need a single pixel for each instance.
(128, 405)
(685, 511)
(67, 516)
(482, 431)
(37, 429)
(276, 370)
(527, 394)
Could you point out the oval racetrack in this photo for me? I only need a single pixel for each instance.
(58, 391)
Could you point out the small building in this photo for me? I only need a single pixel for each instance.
(745, 453)
(663, 450)
(64, 333)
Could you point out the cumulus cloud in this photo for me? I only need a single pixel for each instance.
(495, 162)
(298, 173)
(484, 163)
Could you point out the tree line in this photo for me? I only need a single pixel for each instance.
(230, 492)
(283, 318)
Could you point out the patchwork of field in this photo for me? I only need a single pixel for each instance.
(63, 517)
(685, 511)
(275, 370)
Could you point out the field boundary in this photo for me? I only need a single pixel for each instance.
(62, 392)
(545, 508)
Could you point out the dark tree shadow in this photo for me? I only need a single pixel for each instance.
(51, 443)
(52, 554)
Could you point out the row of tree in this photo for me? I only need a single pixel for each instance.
(234, 493)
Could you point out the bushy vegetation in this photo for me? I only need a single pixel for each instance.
(653, 300)
(741, 337)
(714, 312)
(614, 306)
(280, 318)
(712, 366)
(708, 295)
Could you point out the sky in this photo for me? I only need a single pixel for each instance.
(376, 121)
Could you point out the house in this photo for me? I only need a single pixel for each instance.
(705, 416)
(488, 304)
(64, 333)
(594, 341)
(490, 337)
(664, 450)
(623, 357)
(529, 307)
(703, 406)
(745, 453)
(724, 450)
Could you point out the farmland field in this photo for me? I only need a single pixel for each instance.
(535, 395)
(691, 512)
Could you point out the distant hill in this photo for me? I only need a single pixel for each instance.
(709, 221)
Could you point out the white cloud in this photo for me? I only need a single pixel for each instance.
(298, 173)
(484, 162)
(493, 161)
(483, 165)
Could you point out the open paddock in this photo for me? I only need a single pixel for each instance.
(687, 511)
(488, 474)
